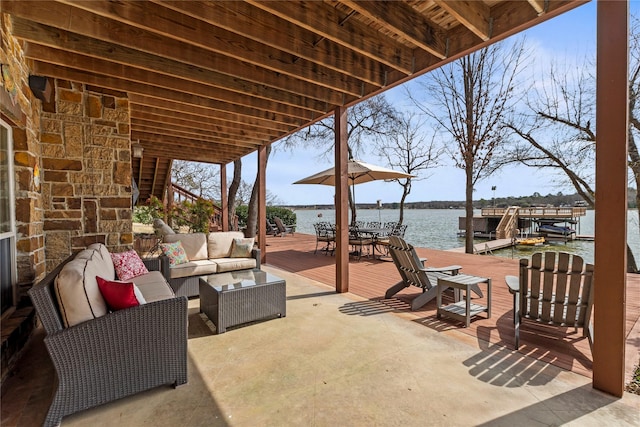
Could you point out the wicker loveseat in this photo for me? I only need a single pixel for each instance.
(208, 254)
(115, 354)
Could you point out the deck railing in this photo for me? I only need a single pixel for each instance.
(508, 223)
(539, 212)
(178, 194)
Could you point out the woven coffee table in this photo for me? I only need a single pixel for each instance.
(234, 298)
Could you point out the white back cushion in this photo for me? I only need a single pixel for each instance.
(194, 244)
(219, 244)
(79, 297)
(109, 272)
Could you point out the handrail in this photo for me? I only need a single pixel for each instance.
(182, 194)
(539, 212)
(508, 223)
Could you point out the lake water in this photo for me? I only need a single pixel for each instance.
(438, 229)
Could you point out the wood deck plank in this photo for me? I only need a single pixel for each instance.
(371, 278)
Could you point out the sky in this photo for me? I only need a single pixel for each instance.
(560, 37)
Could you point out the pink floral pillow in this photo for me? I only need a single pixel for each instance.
(175, 252)
(128, 265)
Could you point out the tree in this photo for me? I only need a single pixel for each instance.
(366, 122)
(407, 150)
(252, 214)
(233, 188)
(556, 133)
(202, 179)
(469, 99)
(634, 106)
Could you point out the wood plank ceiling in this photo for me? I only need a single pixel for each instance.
(212, 81)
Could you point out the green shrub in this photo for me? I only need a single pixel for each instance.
(195, 215)
(152, 209)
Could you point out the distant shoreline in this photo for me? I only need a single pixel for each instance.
(555, 200)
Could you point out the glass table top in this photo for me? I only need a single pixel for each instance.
(240, 279)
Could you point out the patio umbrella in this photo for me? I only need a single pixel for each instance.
(357, 172)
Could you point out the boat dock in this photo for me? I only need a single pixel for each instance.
(488, 246)
(514, 221)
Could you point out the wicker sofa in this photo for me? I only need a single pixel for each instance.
(115, 354)
(207, 254)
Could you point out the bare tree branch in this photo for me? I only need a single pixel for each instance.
(469, 99)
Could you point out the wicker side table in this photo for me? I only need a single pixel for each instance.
(230, 299)
(462, 310)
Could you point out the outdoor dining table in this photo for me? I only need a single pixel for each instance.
(374, 234)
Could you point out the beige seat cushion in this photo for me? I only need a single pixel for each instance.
(232, 264)
(153, 286)
(194, 244)
(219, 244)
(194, 268)
(76, 288)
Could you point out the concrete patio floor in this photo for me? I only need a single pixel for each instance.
(328, 364)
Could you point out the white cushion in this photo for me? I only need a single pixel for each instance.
(219, 244)
(110, 272)
(233, 264)
(76, 288)
(194, 268)
(194, 244)
(153, 286)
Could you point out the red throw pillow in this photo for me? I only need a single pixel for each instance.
(118, 295)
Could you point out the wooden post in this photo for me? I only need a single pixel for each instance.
(341, 201)
(611, 199)
(224, 199)
(262, 203)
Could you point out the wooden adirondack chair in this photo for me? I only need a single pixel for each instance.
(414, 273)
(283, 229)
(554, 288)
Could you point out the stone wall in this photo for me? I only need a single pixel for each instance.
(86, 163)
(72, 160)
(21, 110)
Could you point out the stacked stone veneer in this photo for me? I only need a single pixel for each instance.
(22, 111)
(86, 165)
(79, 142)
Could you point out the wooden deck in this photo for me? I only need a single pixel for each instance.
(370, 279)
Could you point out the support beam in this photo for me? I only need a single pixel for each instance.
(341, 201)
(262, 202)
(611, 200)
(224, 200)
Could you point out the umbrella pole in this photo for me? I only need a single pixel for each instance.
(353, 196)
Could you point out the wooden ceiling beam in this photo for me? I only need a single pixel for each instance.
(252, 96)
(51, 70)
(325, 22)
(188, 154)
(186, 29)
(170, 119)
(80, 21)
(165, 146)
(271, 85)
(160, 139)
(475, 15)
(509, 18)
(201, 113)
(224, 139)
(403, 20)
(538, 5)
